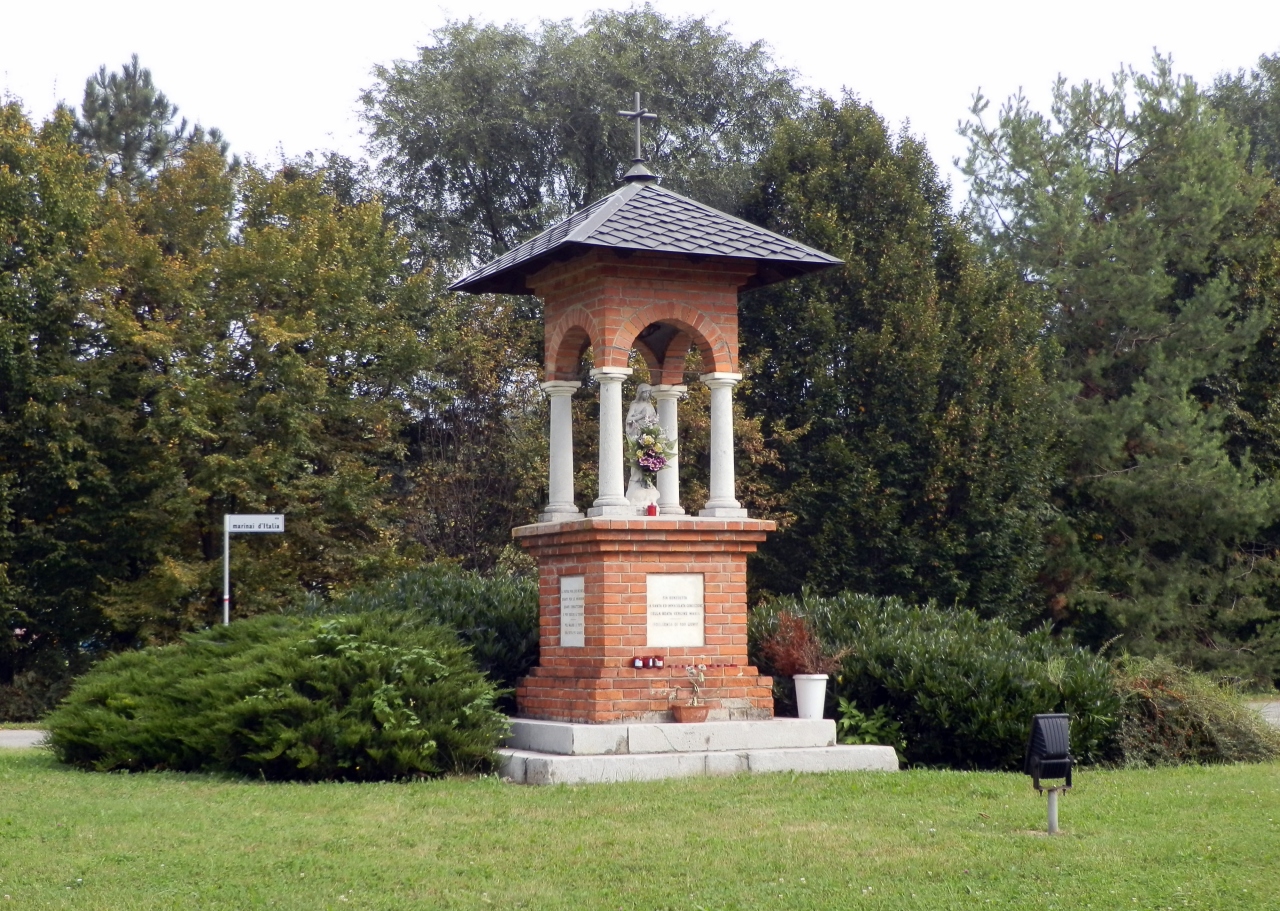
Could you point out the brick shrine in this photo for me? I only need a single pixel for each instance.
(648, 270)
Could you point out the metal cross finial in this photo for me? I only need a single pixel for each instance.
(638, 115)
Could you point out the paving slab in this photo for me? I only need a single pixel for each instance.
(567, 739)
(20, 740)
(1270, 710)
(527, 767)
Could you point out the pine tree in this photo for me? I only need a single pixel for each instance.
(130, 128)
(1132, 208)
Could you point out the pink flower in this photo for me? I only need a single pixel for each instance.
(652, 462)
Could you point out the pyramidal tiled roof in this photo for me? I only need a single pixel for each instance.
(643, 216)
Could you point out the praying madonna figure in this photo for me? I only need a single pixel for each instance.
(640, 415)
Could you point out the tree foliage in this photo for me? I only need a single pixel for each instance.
(51, 455)
(1131, 207)
(211, 340)
(494, 132)
(1252, 101)
(258, 329)
(129, 128)
(909, 379)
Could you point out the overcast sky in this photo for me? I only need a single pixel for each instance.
(280, 76)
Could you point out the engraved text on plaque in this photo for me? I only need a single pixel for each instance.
(675, 609)
(572, 599)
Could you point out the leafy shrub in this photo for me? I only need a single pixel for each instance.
(962, 688)
(364, 697)
(1173, 715)
(495, 615)
(855, 726)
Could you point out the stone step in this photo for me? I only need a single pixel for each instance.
(528, 767)
(568, 739)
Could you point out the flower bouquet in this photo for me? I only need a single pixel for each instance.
(651, 451)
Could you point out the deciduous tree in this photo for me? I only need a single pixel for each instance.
(494, 132)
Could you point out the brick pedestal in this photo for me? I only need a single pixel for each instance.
(597, 681)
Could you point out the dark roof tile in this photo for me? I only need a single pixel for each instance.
(643, 216)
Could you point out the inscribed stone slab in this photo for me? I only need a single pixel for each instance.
(572, 619)
(675, 613)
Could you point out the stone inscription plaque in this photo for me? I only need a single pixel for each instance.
(573, 595)
(675, 609)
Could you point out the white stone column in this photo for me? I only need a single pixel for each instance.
(667, 398)
(560, 505)
(723, 503)
(613, 491)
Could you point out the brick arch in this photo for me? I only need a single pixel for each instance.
(672, 372)
(566, 338)
(650, 358)
(718, 355)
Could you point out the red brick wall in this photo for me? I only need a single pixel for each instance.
(606, 300)
(597, 682)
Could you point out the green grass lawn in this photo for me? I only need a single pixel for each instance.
(1183, 838)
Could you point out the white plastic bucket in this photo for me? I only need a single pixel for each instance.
(811, 694)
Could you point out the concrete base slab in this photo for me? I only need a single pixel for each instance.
(21, 739)
(567, 739)
(528, 767)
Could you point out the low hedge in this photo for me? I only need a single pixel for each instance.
(365, 697)
(496, 615)
(1172, 715)
(962, 688)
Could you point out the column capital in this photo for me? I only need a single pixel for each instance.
(668, 391)
(610, 374)
(560, 387)
(714, 380)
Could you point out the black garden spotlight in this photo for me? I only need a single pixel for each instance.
(1049, 756)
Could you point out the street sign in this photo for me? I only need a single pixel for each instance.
(255, 524)
(242, 525)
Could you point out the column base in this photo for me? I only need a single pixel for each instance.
(670, 510)
(627, 509)
(723, 512)
(559, 515)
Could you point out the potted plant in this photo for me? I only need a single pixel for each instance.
(794, 650)
(696, 708)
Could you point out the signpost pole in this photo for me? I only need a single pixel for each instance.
(226, 570)
(251, 524)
